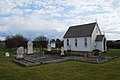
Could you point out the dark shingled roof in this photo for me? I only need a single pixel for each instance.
(84, 30)
(99, 37)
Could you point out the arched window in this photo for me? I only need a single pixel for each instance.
(85, 42)
(67, 42)
(76, 42)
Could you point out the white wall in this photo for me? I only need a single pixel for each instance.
(96, 32)
(99, 45)
(91, 44)
(80, 44)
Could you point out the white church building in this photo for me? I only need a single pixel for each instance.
(85, 37)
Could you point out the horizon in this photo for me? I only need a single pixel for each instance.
(52, 18)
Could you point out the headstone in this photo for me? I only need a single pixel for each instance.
(57, 49)
(25, 50)
(7, 54)
(34, 50)
(20, 52)
(62, 51)
(97, 60)
(49, 46)
(30, 47)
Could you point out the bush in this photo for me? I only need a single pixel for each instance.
(15, 41)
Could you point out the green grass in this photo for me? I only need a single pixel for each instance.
(114, 52)
(69, 70)
(55, 49)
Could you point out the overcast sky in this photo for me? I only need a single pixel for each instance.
(52, 18)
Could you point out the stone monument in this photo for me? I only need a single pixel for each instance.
(25, 50)
(30, 47)
(49, 46)
(7, 54)
(20, 52)
(62, 51)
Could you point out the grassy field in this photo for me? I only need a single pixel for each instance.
(69, 70)
(114, 52)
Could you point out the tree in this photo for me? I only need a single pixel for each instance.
(41, 38)
(40, 41)
(113, 44)
(58, 40)
(53, 40)
(59, 43)
(15, 41)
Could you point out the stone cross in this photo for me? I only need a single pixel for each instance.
(20, 52)
(7, 54)
(49, 46)
(30, 47)
(62, 51)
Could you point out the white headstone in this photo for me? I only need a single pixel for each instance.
(62, 51)
(49, 46)
(20, 52)
(30, 47)
(7, 54)
(34, 50)
(25, 50)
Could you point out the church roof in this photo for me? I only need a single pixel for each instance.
(84, 30)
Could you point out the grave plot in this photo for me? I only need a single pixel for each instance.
(41, 57)
(38, 58)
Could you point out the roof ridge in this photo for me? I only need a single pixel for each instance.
(84, 24)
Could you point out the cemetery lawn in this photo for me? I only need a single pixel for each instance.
(69, 70)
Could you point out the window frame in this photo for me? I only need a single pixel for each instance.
(67, 42)
(85, 42)
(76, 42)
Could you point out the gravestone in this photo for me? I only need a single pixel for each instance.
(30, 47)
(7, 54)
(20, 52)
(62, 51)
(49, 46)
(25, 50)
(34, 50)
(57, 49)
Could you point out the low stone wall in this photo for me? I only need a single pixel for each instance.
(78, 53)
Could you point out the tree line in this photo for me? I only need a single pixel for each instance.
(42, 41)
(113, 44)
(19, 40)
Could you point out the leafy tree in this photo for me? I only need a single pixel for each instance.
(113, 44)
(40, 41)
(41, 38)
(59, 43)
(53, 40)
(58, 40)
(15, 41)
